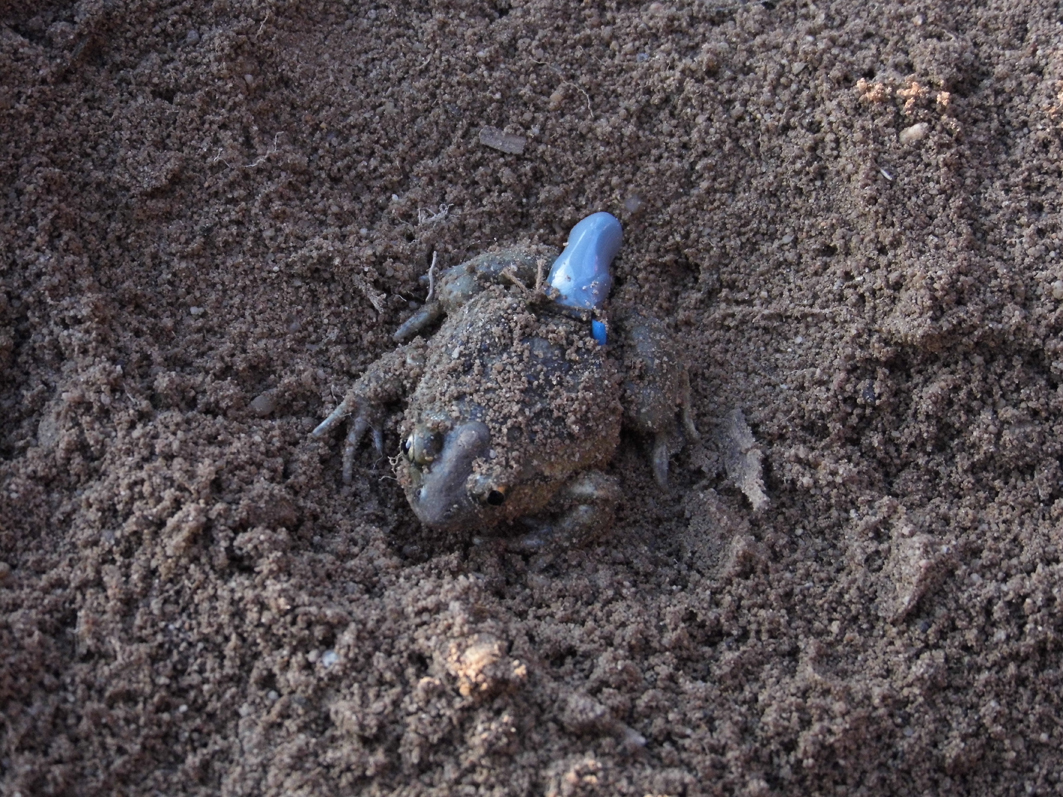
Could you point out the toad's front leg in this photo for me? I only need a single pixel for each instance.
(385, 382)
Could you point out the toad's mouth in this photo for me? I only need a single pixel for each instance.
(439, 496)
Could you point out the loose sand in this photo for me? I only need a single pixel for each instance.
(215, 214)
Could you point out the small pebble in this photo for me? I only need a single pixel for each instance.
(264, 403)
(5, 571)
(504, 142)
(1057, 290)
(633, 203)
(914, 133)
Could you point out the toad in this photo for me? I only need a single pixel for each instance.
(514, 405)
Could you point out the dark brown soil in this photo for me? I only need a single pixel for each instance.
(214, 214)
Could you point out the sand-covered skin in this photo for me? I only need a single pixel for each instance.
(215, 214)
(533, 377)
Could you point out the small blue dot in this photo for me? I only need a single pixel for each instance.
(598, 332)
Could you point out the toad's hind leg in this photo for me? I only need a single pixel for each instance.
(656, 389)
(664, 444)
(456, 286)
(581, 511)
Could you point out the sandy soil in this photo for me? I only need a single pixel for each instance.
(215, 213)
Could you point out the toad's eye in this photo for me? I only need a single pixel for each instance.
(422, 446)
(496, 497)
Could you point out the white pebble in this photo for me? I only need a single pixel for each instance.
(914, 133)
(504, 142)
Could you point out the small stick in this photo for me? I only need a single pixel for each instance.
(510, 273)
(431, 279)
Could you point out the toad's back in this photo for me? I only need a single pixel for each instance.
(536, 379)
